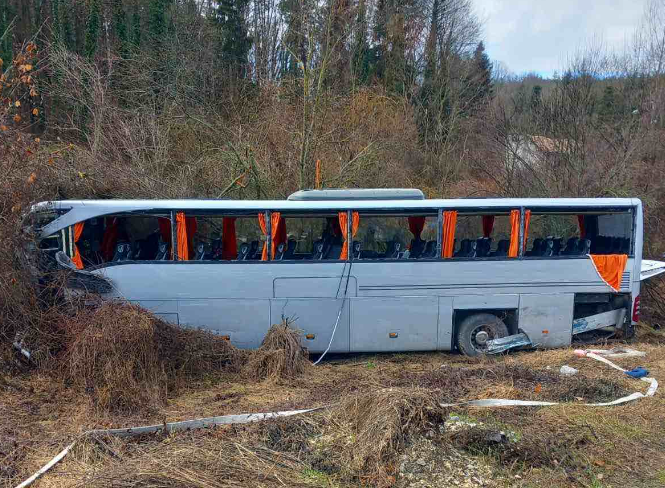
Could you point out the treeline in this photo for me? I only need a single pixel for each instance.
(241, 98)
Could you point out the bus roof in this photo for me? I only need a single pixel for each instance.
(80, 210)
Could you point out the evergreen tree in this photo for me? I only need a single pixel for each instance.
(536, 98)
(6, 15)
(483, 73)
(296, 14)
(136, 25)
(92, 30)
(65, 25)
(234, 42)
(120, 30)
(607, 110)
(361, 50)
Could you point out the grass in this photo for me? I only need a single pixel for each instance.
(566, 445)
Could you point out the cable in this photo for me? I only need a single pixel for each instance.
(339, 313)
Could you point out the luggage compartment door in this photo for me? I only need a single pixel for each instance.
(394, 324)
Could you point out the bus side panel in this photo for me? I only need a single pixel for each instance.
(245, 321)
(316, 318)
(394, 324)
(547, 319)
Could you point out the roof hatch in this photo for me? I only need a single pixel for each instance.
(362, 194)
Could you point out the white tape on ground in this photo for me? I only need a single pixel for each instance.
(503, 402)
(168, 427)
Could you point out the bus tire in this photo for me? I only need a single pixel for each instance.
(468, 341)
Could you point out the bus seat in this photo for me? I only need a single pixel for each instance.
(318, 250)
(617, 244)
(473, 249)
(535, 247)
(502, 248)
(463, 248)
(548, 248)
(416, 248)
(583, 247)
(279, 252)
(571, 246)
(334, 251)
(483, 246)
(254, 250)
(357, 246)
(429, 251)
(557, 245)
(243, 252)
(392, 250)
(201, 254)
(216, 249)
(291, 245)
(137, 249)
(625, 245)
(123, 252)
(162, 251)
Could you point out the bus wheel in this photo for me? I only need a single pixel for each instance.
(475, 330)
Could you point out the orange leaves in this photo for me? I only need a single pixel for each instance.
(3, 127)
(35, 111)
(17, 118)
(17, 103)
(31, 47)
(24, 68)
(1, 62)
(32, 178)
(33, 92)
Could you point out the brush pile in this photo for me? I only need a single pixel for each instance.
(126, 359)
(370, 429)
(281, 355)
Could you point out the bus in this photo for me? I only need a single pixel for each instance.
(371, 270)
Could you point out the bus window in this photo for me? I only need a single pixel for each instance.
(579, 233)
(552, 234)
(482, 236)
(318, 237)
(227, 238)
(396, 237)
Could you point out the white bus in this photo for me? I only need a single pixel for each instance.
(362, 270)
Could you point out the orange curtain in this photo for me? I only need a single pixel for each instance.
(488, 225)
(527, 220)
(264, 229)
(229, 242)
(514, 233)
(580, 222)
(343, 224)
(76, 258)
(185, 229)
(277, 231)
(110, 238)
(449, 223)
(610, 268)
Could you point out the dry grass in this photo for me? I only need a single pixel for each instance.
(127, 360)
(280, 356)
(213, 459)
(368, 430)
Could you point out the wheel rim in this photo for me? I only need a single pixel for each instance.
(481, 335)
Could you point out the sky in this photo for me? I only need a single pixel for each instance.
(537, 35)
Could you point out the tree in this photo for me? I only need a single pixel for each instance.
(483, 73)
(6, 20)
(92, 30)
(233, 40)
(120, 28)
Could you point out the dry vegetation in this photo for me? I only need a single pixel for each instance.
(381, 408)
